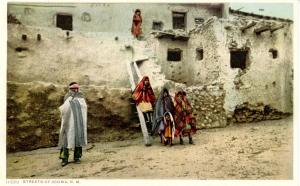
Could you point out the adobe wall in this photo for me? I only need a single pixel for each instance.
(110, 17)
(266, 80)
(86, 60)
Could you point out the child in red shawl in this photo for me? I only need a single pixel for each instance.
(136, 23)
(144, 97)
(183, 117)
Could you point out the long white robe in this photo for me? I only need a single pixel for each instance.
(69, 129)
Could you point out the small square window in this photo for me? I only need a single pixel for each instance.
(174, 55)
(20, 49)
(199, 54)
(274, 53)
(157, 25)
(199, 20)
(64, 21)
(178, 20)
(238, 59)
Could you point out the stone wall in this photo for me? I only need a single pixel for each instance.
(254, 113)
(207, 102)
(33, 118)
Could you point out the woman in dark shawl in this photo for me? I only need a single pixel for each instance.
(163, 104)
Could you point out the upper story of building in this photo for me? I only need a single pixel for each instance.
(115, 17)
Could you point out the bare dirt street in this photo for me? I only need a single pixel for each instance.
(260, 150)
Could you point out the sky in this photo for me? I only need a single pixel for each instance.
(281, 10)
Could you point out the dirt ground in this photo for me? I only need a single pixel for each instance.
(260, 150)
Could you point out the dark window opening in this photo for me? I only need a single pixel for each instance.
(174, 55)
(39, 37)
(157, 25)
(238, 59)
(178, 20)
(267, 110)
(64, 21)
(20, 49)
(199, 20)
(24, 37)
(274, 53)
(199, 53)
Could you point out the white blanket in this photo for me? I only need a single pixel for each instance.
(69, 129)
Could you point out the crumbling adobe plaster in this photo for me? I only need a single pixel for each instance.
(265, 83)
(266, 80)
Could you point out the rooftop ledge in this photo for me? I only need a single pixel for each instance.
(171, 35)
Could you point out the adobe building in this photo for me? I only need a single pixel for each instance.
(235, 66)
(114, 17)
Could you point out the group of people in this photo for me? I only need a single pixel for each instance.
(164, 116)
(167, 117)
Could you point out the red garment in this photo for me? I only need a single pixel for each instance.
(183, 113)
(136, 25)
(143, 93)
(189, 109)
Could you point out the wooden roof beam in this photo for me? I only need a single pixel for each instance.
(248, 26)
(258, 31)
(273, 29)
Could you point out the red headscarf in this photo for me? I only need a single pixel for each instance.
(143, 93)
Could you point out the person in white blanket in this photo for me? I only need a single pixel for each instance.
(73, 131)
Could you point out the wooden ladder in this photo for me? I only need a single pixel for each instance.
(135, 76)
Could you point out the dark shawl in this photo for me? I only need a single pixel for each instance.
(162, 106)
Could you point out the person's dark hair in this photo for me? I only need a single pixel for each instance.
(183, 93)
(72, 83)
(137, 10)
(166, 90)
